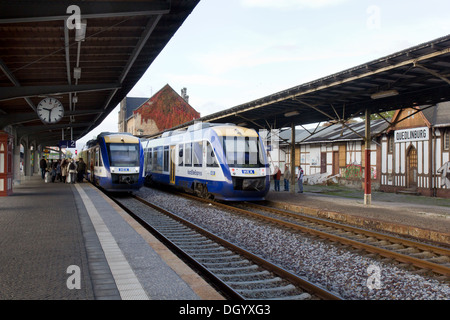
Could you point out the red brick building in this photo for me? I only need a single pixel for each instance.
(162, 111)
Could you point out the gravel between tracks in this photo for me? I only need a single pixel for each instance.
(333, 267)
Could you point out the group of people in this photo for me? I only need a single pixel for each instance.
(65, 170)
(287, 177)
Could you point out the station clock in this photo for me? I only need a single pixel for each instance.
(50, 110)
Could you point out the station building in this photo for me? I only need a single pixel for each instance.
(332, 153)
(415, 151)
(410, 153)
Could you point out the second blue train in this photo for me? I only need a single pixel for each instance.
(219, 161)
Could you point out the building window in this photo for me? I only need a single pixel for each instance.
(391, 144)
(447, 139)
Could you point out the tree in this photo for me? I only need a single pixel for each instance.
(375, 116)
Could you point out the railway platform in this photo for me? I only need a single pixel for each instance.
(419, 217)
(68, 242)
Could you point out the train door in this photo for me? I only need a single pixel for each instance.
(172, 164)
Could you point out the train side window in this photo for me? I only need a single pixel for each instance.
(180, 155)
(211, 160)
(166, 158)
(160, 158)
(188, 155)
(154, 157)
(96, 157)
(198, 154)
(149, 163)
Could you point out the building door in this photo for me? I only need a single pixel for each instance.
(323, 162)
(335, 162)
(411, 168)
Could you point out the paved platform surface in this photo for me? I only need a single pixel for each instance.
(424, 218)
(67, 241)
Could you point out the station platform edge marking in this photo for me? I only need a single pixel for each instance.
(127, 283)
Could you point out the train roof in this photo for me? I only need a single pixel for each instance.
(113, 137)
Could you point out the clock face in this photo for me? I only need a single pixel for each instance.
(50, 110)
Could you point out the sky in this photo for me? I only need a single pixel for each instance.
(227, 53)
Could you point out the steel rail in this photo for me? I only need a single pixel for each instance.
(296, 280)
(438, 268)
(381, 236)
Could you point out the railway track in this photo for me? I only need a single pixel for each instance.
(237, 272)
(409, 254)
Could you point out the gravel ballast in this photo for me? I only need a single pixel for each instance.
(349, 274)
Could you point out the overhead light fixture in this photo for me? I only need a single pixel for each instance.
(291, 114)
(384, 94)
(77, 73)
(80, 33)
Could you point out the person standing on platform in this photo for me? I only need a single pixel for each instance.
(300, 179)
(72, 171)
(81, 168)
(43, 166)
(287, 177)
(64, 170)
(276, 178)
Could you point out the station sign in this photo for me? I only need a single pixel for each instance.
(67, 144)
(413, 134)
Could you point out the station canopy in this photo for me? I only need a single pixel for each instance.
(86, 54)
(413, 77)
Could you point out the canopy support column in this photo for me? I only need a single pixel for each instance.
(293, 176)
(367, 171)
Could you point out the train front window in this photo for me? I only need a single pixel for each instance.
(243, 152)
(123, 155)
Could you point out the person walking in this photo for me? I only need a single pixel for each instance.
(276, 178)
(300, 179)
(286, 177)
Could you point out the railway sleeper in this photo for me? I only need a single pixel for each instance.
(262, 274)
(210, 254)
(272, 282)
(265, 293)
(227, 264)
(198, 246)
(409, 250)
(440, 259)
(302, 296)
(212, 250)
(221, 257)
(232, 270)
(175, 234)
(194, 241)
(423, 255)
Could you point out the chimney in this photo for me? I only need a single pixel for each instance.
(184, 95)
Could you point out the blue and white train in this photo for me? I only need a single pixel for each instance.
(114, 162)
(220, 161)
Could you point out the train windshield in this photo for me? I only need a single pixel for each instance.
(123, 154)
(244, 152)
